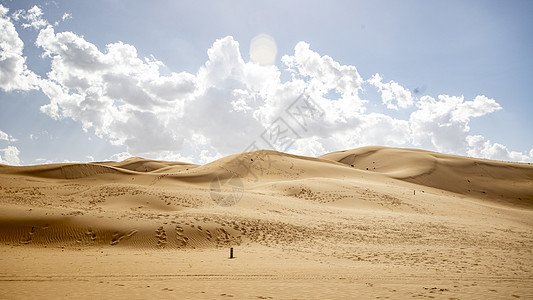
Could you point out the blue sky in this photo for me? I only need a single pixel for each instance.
(449, 76)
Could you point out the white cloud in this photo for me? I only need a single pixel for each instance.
(384, 130)
(158, 155)
(326, 75)
(120, 156)
(228, 103)
(117, 94)
(479, 147)
(442, 124)
(369, 129)
(206, 156)
(6, 137)
(42, 161)
(10, 156)
(125, 98)
(14, 74)
(481, 105)
(66, 16)
(33, 17)
(391, 92)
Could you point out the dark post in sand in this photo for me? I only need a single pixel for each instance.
(230, 253)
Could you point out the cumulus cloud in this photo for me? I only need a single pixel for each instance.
(479, 147)
(32, 18)
(393, 95)
(6, 137)
(120, 156)
(324, 75)
(481, 105)
(66, 16)
(124, 98)
(443, 124)
(117, 94)
(10, 156)
(14, 74)
(230, 105)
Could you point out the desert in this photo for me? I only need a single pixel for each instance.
(368, 223)
(266, 149)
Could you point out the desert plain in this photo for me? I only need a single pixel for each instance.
(367, 223)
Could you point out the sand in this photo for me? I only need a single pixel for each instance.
(367, 223)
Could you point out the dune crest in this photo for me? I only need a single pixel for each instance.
(507, 181)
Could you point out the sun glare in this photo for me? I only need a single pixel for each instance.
(263, 49)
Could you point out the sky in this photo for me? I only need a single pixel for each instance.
(194, 81)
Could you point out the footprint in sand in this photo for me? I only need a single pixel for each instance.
(182, 240)
(117, 237)
(91, 234)
(26, 239)
(209, 235)
(161, 236)
(223, 237)
(226, 295)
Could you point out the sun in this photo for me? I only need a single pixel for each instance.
(263, 49)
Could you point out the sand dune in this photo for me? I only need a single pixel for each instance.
(509, 182)
(369, 222)
(145, 165)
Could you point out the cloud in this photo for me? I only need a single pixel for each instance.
(120, 156)
(66, 16)
(33, 17)
(42, 161)
(479, 147)
(14, 74)
(10, 156)
(324, 75)
(115, 93)
(230, 105)
(392, 92)
(481, 105)
(6, 137)
(125, 99)
(442, 124)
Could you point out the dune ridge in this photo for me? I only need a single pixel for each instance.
(507, 181)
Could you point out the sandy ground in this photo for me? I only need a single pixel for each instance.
(367, 223)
